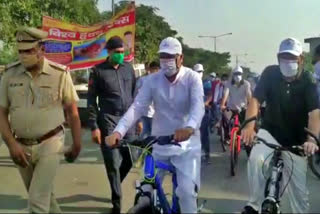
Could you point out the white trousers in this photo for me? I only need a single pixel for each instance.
(296, 191)
(187, 170)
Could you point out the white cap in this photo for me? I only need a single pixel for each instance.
(213, 74)
(170, 45)
(291, 46)
(198, 68)
(237, 69)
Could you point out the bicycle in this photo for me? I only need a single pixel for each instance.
(221, 131)
(271, 204)
(235, 142)
(150, 196)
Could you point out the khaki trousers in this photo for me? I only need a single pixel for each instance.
(39, 176)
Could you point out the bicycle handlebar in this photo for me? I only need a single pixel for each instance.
(149, 141)
(279, 147)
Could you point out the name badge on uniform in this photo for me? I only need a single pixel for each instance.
(15, 84)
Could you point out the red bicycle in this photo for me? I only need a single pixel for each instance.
(235, 141)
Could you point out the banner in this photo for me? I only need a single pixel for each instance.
(81, 47)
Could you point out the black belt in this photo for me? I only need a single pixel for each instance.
(53, 132)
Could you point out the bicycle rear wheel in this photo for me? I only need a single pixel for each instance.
(233, 154)
(314, 163)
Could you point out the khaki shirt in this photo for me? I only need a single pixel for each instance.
(36, 104)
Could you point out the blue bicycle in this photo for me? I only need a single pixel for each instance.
(150, 196)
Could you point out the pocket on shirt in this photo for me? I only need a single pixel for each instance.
(47, 96)
(17, 97)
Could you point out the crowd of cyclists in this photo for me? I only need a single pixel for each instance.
(225, 95)
(177, 104)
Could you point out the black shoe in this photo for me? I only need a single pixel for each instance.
(116, 210)
(249, 210)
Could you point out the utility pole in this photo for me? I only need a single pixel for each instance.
(112, 7)
(215, 39)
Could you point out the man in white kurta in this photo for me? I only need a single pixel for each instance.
(177, 95)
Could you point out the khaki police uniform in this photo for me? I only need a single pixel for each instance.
(35, 106)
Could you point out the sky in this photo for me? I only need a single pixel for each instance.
(257, 26)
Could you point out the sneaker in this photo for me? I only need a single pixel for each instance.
(249, 210)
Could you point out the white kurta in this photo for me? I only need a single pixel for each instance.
(177, 105)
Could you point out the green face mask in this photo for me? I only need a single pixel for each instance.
(117, 58)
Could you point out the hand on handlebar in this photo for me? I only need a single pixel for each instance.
(310, 148)
(248, 135)
(183, 134)
(113, 139)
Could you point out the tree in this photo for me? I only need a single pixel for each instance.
(308, 62)
(150, 30)
(212, 61)
(16, 13)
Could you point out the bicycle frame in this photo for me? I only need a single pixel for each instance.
(151, 176)
(235, 129)
(272, 189)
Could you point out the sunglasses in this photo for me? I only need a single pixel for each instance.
(28, 51)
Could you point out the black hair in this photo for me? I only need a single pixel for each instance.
(128, 33)
(114, 43)
(224, 76)
(154, 64)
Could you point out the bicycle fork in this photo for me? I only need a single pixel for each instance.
(272, 191)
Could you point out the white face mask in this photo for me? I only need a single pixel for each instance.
(169, 66)
(288, 68)
(237, 78)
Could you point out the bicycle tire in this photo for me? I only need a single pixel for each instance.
(313, 161)
(144, 204)
(140, 209)
(233, 154)
(222, 139)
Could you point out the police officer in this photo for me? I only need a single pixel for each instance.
(113, 82)
(34, 92)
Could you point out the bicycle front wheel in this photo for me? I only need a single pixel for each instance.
(143, 202)
(233, 153)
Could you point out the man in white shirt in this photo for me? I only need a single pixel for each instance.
(177, 95)
(237, 93)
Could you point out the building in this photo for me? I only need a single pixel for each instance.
(313, 42)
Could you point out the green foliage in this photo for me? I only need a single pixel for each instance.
(212, 61)
(151, 28)
(16, 13)
(308, 62)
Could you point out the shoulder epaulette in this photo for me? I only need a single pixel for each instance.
(11, 65)
(57, 66)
